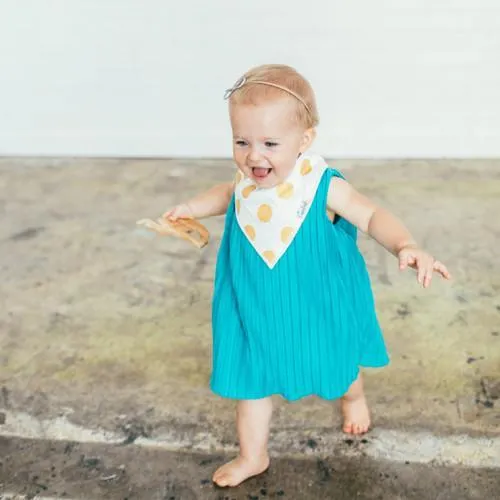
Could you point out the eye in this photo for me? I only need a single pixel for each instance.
(240, 143)
(270, 144)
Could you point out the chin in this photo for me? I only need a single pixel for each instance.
(268, 182)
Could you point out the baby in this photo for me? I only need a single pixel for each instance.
(293, 311)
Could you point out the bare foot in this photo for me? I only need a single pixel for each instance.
(356, 415)
(239, 469)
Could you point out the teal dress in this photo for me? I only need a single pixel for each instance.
(302, 328)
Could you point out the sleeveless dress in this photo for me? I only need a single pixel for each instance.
(301, 328)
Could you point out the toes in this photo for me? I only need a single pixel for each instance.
(221, 480)
(348, 428)
(218, 475)
(355, 429)
(222, 477)
(363, 429)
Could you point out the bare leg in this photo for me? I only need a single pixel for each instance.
(355, 409)
(253, 418)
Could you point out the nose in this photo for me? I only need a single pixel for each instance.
(254, 155)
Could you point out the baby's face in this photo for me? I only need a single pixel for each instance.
(266, 141)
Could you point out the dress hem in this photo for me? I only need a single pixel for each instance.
(293, 398)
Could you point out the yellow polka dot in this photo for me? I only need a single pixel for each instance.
(250, 232)
(306, 167)
(264, 213)
(269, 256)
(286, 234)
(248, 190)
(285, 190)
(238, 206)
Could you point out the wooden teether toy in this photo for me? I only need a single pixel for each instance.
(187, 229)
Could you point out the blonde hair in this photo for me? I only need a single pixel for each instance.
(275, 81)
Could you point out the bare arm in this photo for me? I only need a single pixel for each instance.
(378, 222)
(214, 201)
(385, 228)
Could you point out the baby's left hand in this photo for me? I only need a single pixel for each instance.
(424, 263)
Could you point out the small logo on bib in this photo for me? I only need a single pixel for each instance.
(302, 208)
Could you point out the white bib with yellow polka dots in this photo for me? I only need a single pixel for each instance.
(271, 217)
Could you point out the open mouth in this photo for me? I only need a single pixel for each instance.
(260, 172)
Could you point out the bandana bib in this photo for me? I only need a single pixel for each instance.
(271, 217)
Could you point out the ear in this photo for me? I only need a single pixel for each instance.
(307, 139)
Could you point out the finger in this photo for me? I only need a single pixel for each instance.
(406, 261)
(424, 269)
(411, 260)
(403, 263)
(442, 270)
(428, 277)
(189, 211)
(171, 215)
(421, 270)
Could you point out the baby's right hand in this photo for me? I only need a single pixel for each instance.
(182, 211)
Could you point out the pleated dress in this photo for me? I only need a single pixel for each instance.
(302, 328)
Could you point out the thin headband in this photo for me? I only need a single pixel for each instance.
(244, 80)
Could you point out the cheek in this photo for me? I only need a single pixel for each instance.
(239, 156)
(285, 164)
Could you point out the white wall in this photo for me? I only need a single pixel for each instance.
(411, 78)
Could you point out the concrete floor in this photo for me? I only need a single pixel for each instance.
(108, 323)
